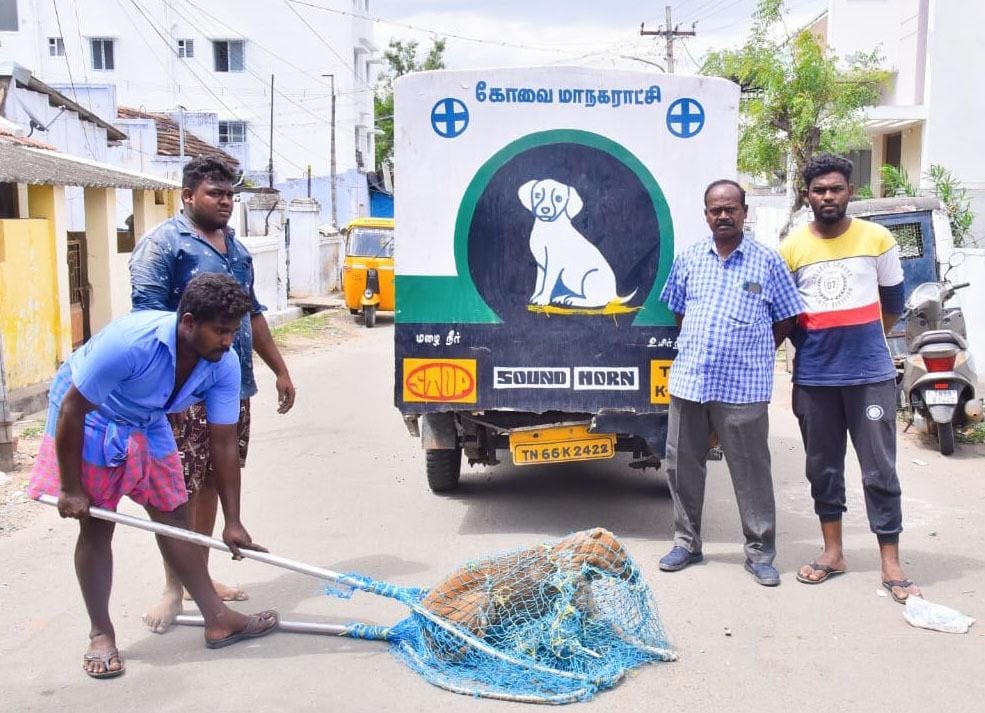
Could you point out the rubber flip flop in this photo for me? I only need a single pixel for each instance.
(254, 629)
(105, 657)
(825, 569)
(903, 584)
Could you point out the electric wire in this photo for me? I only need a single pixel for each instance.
(256, 76)
(236, 115)
(418, 28)
(71, 80)
(355, 71)
(277, 56)
(232, 113)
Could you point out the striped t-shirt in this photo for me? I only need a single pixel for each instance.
(846, 284)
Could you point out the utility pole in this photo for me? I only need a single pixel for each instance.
(270, 161)
(181, 132)
(335, 214)
(670, 34)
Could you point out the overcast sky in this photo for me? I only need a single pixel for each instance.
(598, 32)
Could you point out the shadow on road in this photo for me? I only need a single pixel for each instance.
(556, 500)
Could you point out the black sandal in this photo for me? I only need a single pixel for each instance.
(815, 567)
(105, 657)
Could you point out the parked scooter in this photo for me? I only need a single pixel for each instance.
(939, 377)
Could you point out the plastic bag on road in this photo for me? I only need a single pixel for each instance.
(937, 617)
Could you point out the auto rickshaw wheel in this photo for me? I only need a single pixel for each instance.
(369, 315)
(444, 468)
(353, 311)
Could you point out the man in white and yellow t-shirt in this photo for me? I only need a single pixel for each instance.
(849, 276)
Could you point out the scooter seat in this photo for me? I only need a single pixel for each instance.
(938, 336)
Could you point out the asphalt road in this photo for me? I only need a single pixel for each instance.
(339, 483)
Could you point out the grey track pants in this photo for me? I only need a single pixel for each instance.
(866, 412)
(742, 430)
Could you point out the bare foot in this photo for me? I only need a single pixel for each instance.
(102, 660)
(834, 560)
(225, 592)
(161, 616)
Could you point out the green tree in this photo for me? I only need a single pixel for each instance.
(401, 58)
(797, 99)
(896, 182)
(949, 191)
(954, 197)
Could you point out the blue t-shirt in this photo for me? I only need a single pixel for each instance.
(128, 371)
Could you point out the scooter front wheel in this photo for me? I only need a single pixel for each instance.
(945, 438)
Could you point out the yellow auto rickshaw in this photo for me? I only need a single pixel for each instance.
(367, 272)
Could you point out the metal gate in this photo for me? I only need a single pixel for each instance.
(79, 289)
(914, 232)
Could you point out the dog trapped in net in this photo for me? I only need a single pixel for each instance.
(552, 623)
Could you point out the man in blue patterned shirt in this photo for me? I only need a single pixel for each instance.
(735, 302)
(163, 263)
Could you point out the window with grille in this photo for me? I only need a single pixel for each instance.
(56, 47)
(229, 55)
(232, 132)
(102, 54)
(186, 49)
(909, 236)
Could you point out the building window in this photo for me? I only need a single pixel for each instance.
(102, 54)
(232, 132)
(56, 47)
(229, 55)
(186, 49)
(8, 16)
(8, 206)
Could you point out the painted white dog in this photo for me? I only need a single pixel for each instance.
(564, 255)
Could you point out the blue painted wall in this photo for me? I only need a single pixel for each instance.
(351, 184)
(380, 204)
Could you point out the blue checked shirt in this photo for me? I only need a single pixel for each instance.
(725, 351)
(169, 256)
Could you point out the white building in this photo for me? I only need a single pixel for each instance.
(930, 113)
(217, 57)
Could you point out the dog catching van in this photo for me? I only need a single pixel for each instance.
(540, 212)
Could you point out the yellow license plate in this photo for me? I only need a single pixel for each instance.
(560, 445)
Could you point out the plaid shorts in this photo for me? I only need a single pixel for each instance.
(143, 478)
(195, 447)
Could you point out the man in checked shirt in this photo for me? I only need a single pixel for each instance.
(735, 302)
(199, 240)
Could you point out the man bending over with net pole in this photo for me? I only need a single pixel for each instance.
(107, 436)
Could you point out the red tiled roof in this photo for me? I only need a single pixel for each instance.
(10, 138)
(169, 139)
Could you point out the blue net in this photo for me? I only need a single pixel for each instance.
(554, 623)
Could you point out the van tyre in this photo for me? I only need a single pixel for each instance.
(945, 438)
(444, 468)
(369, 315)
